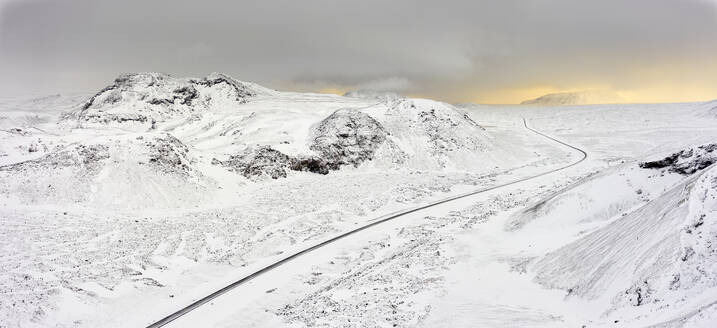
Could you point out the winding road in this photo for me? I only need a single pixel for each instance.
(372, 223)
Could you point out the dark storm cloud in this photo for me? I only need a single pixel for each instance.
(445, 49)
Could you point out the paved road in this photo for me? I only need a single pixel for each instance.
(372, 223)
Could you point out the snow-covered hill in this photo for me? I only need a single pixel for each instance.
(144, 99)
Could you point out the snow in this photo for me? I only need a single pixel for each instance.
(108, 222)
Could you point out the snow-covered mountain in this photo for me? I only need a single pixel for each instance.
(425, 133)
(587, 97)
(145, 99)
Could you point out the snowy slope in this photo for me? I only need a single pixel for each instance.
(125, 171)
(639, 239)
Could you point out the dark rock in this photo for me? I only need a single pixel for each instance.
(158, 101)
(687, 161)
(186, 94)
(258, 161)
(266, 161)
(169, 154)
(310, 164)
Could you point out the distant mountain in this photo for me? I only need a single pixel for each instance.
(575, 98)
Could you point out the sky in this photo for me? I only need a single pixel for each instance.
(457, 51)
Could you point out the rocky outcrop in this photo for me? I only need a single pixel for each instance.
(310, 164)
(168, 154)
(686, 161)
(163, 152)
(264, 161)
(347, 137)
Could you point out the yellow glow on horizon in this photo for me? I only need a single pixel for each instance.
(672, 93)
(332, 90)
(647, 94)
(676, 80)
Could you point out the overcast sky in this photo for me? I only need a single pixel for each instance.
(458, 51)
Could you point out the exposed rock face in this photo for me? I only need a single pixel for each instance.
(256, 162)
(148, 98)
(686, 161)
(310, 164)
(168, 154)
(347, 137)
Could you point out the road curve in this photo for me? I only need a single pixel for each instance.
(372, 223)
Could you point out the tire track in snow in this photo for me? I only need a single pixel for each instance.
(171, 317)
